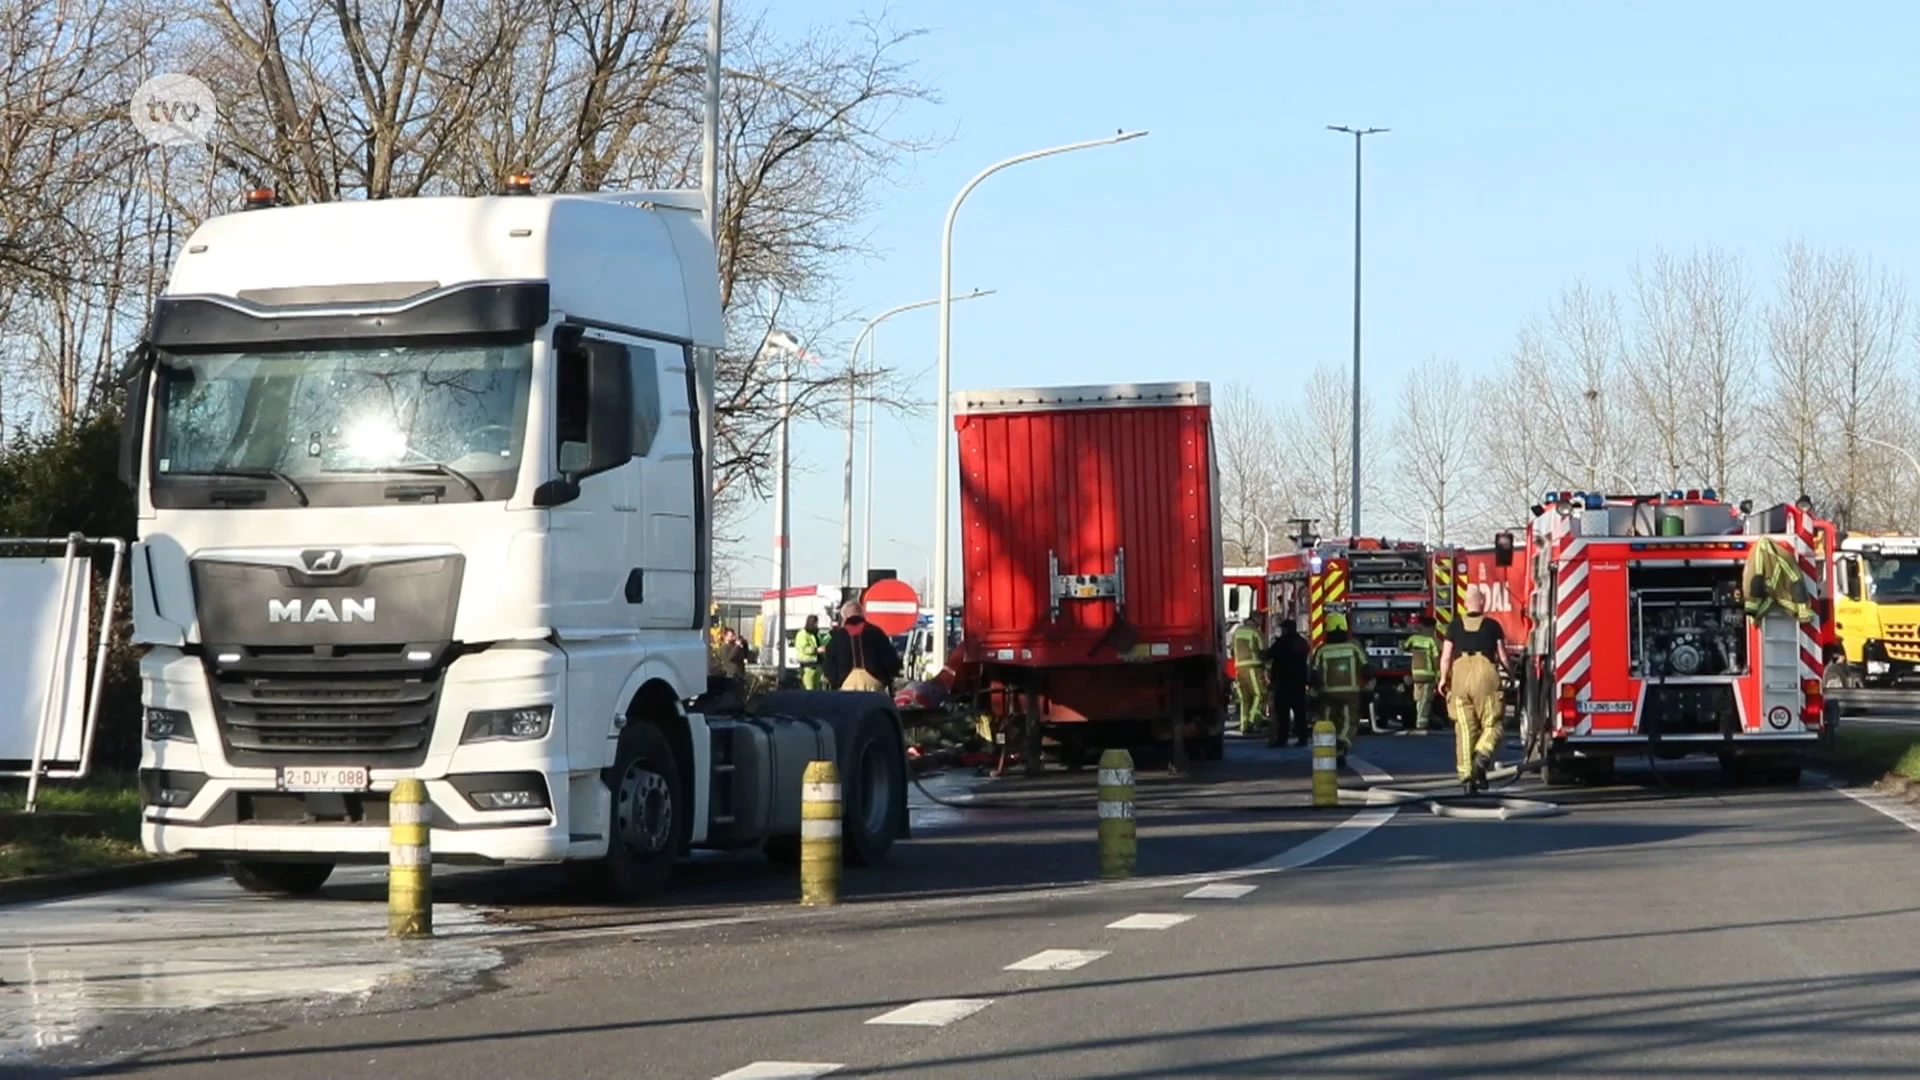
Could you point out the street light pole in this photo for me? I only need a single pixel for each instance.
(853, 380)
(782, 516)
(1897, 448)
(942, 406)
(1358, 134)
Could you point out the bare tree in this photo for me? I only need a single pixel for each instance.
(1659, 366)
(1244, 431)
(1436, 438)
(1721, 376)
(1514, 409)
(1317, 467)
(331, 99)
(1801, 335)
(1869, 307)
(1585, 351)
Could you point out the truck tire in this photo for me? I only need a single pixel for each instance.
(1558, 770)
(285, 878)
(875, 777)
(649, 819)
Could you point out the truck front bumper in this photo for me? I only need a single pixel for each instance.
(196, 801)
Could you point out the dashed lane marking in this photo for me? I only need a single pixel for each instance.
(780, 1070)
(1221, 892)
(934, 1012)
(1149, 921)
(1057, 960)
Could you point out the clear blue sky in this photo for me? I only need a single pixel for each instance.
(1533, 142)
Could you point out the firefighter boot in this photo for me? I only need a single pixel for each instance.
(1481, 761)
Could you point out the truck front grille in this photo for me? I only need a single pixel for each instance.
(1902, 642)
(325, 712)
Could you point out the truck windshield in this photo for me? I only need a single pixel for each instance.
(1893, 578)
(347, 426)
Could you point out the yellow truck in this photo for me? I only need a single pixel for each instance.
(1876, 611)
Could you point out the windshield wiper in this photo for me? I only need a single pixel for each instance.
(251, 474)
(440, 468)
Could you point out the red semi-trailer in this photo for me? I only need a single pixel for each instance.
(1091, 559)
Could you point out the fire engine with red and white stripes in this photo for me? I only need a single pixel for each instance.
(1640, 642)
(1375, 587)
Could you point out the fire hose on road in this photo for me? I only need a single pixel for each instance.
(1443, 797)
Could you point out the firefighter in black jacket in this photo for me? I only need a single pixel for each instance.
(1286, 659)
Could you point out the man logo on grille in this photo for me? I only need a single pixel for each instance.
(325, 561)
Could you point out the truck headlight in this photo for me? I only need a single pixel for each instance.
(168, 724)
(515, 725)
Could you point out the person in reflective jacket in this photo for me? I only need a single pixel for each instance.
(1340, 668)
(1249, 675)
(1424, 650)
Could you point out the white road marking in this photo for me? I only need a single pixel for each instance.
(1221, 892)
(780, 1070)
(1366, 771)
(1148, 921)
(1898, 809)
(1057, 960)
(1312, 851)
(934, 1012)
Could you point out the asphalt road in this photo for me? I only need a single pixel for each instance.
(1668, 925)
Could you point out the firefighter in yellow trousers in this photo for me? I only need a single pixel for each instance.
(1249, 675)
(1341, 671)
(1470, 681)
(1425, 654)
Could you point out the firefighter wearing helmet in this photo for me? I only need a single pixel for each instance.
(1470, 681)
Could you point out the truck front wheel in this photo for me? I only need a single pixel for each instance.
(649, 819)
(874, 786)
(288, 878)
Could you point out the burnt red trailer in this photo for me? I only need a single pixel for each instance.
(1092, 566)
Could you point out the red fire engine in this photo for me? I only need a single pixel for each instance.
(1376, 586)
(1638, 641)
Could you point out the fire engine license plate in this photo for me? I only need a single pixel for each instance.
(324, 778)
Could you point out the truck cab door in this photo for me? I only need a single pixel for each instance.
(663, 538)
(599, 480)
(1851, 624)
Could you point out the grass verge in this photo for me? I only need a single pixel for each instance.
(1868, 753)
(114, 801)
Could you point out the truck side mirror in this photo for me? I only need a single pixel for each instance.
(135, 379)
(592, 412)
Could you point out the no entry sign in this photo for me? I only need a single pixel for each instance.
(892, 605)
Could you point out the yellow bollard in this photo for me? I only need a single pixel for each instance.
(1326, 765)
(820, 834)
(409, 861)
(1116, 815)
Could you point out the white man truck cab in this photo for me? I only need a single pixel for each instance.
(421, 495)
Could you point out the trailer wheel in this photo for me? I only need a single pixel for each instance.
(649, 820)
(287, 878)
(875, 776)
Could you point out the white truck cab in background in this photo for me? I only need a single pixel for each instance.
(421, 495)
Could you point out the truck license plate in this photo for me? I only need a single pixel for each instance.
(324, 778)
